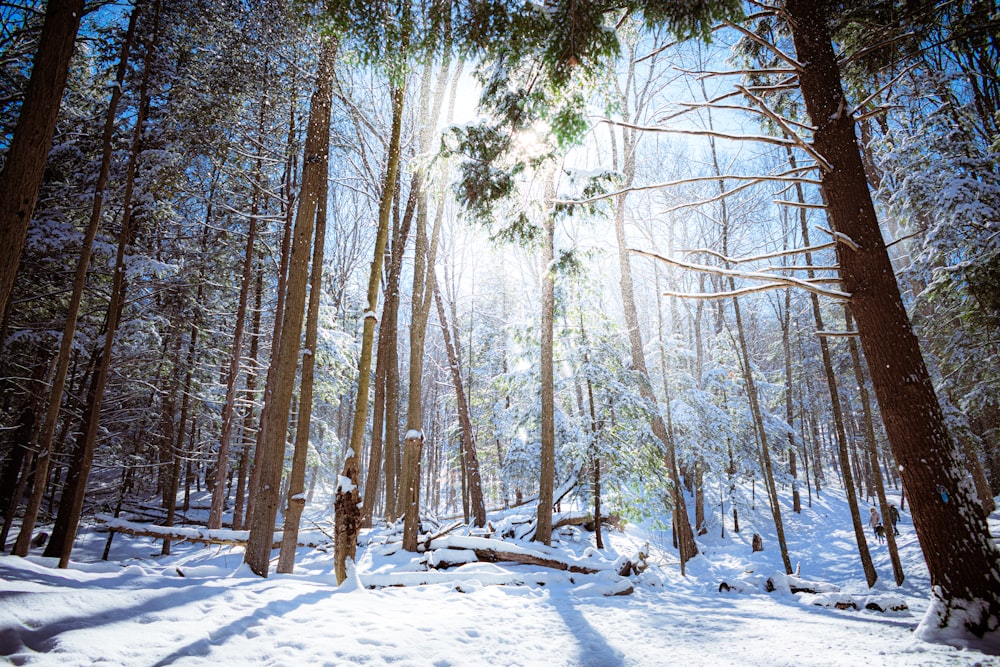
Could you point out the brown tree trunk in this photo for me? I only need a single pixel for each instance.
(964, 577)
(236, 353)
(24, 166)
(547, 471)
(347, 512)
(289, 209)
(76, 486)
(271, 453)
(297, 476)
(425, 251)
(765, 454)
(79, 282)
(249, 391)
(686, 544)
(470, 461)
(872, 447)
(843, 450)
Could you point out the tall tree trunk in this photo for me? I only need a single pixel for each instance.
(872, 450)
(297, 477)
(425, 252)
(347, 512)
(546, 480)
(236, 353)
(843, 451)
(79, 282)
(178, 444)
(24, 166)
(249, 395)
(686, 544)
(270, 456)
(289, 209)
(964, 577)
(470, 461)
(765, 454)
(76, 485)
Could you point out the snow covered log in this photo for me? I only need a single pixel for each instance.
(236, 538)
(584, 519)
(488, 550)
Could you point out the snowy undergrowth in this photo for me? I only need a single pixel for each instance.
(202, 606)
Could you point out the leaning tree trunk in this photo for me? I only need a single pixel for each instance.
(470, 461)
(425, 251)
(271, 455)
(297, 477)
(236, 353)
(686, 544)
(79, 282)
(964, 578)
(24, 167)
(838, 413)
(71, 506)
(872, 450)
(765, 454)
(347, 512)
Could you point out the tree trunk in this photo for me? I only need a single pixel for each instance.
(843, 450)
(547, 471)
(79, 282)
(236, 353)
(297, 477)
(71, 505)
(872, 447)
(470, 461)
(249, 391)
(24, 166)
(271, 453)
(964, 578)
(425, 251)
(765, 454)
(347, 512)
(686, 544)
(288, 203)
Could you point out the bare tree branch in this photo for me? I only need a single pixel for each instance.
(771, 281)
(796, 65)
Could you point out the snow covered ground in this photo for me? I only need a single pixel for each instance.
(138, 610)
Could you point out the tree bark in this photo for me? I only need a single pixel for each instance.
(470, 461)
(547, 469)
(270, 456)
(24, 166)
(347, 513)
(297, 477)
(71, 505)
(964, 578)
(79, 282)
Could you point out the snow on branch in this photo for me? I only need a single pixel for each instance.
(787, 129)
(757, 258)
(798, 204)
(707, 74)
(770, 280)
(840, 237)
(784, 177)
(878, 91)
(838, 334)
(796, 65)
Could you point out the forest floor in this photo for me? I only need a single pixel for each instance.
(202, 606)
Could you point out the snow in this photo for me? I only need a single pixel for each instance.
(414, 434)
(344, 484)
(202, 606)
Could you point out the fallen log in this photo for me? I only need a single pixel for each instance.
(494, 556)
(222, 537)
(585, 520)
